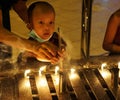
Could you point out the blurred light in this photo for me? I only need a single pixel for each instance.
(72, 70)
(119, 68)
(27, 83)
(72, 73)
(56, 70)
(41, 81)
(105, 74)
(56, 80)
(43, 68)
(26, 73)
(103, 66)
(72, 76)
(119, 65)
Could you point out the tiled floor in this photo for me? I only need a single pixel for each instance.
(69, 20)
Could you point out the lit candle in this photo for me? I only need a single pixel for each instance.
(26, 73)
(26, 83)
(42, 82)
(56, 70)
(103, 66)
(72, 73)
(72, 70)
(119, 68)
(56, 80)
(119, 65)
(43, 68)
(105, 74)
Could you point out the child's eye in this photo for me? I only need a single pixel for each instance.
(51, 23)
(41, 22)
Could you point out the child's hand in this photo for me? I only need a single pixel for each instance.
(59, 57)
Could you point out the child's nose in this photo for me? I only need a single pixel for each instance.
(47, 26)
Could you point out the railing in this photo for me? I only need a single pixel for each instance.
(86, 28)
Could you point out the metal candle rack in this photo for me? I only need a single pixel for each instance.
(87, 83)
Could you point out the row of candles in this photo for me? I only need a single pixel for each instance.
(42, 81)
(43, 68)
(72, 70)
(42, 84)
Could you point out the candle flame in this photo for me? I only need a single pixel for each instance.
(26, 73)
(56, 70)
(119, 65)
(43, 68)
(72, 70)
(103, 66)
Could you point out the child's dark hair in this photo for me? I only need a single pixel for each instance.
(45, 6)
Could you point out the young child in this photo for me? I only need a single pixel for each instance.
(10, 38)
(41, 17)
(111, 41)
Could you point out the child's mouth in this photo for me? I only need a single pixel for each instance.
(46, 35)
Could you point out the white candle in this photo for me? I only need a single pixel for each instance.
(119, 65)
(43, 68)
(103, 66)
(72, 73)
(26, 73)
(56, 80)
(42, 82)
(105, 74)
(119, 68)
(72, 70)
(40, 72)
(56, 70)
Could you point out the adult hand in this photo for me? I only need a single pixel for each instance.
(48, 52)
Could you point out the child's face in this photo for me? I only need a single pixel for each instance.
(43, 23)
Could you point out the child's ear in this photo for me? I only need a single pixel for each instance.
(29, 26)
